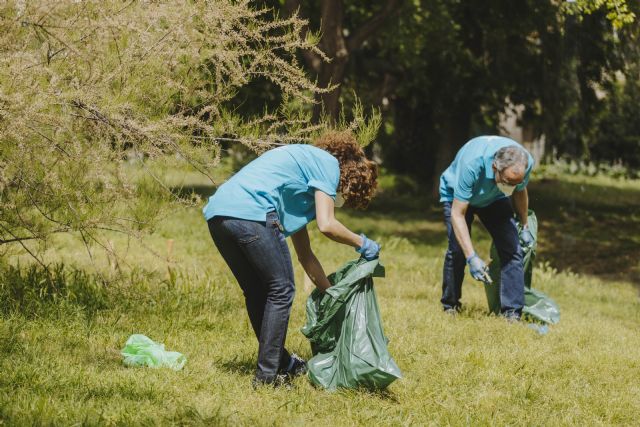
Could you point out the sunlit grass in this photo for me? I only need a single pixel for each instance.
(60, 362)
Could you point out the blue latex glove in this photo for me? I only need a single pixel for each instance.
(526, 238)
(369, 249)
(478, 268)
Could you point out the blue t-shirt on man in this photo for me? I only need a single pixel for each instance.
(470, 177)
(283, 180)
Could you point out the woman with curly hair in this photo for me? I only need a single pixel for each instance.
(274, 197)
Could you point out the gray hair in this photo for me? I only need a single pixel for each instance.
(511, 156)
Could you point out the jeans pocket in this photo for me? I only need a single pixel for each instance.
(244, 231)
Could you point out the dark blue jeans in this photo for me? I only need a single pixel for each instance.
(499, 221)
(259, 258)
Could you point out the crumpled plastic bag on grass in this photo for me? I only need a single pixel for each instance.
(537, 305)
(345, 331)
(140, 350)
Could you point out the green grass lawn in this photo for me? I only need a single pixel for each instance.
(60, 362)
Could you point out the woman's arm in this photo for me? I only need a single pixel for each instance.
(307, 258)
(330, 226)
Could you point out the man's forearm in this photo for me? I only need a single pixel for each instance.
(521, 205)
(463, 237)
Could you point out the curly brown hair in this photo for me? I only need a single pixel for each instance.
(358, 175)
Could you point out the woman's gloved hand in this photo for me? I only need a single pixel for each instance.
(478, 268)
(370, 249)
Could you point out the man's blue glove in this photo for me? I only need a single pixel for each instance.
(526, 238)
(478, 268)
(369, 249)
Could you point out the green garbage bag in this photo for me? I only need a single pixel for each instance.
(140, 350)
(345, 331)
(537, 305)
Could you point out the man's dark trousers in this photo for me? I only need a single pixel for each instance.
(499, 221)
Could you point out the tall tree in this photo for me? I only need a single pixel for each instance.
(339, 41)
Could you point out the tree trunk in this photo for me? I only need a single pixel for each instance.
(338, 48)
(334, 45)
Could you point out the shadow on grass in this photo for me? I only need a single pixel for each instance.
(418, 233)
(410, 217)
(588, 229)
(238, 365)
(473, 311)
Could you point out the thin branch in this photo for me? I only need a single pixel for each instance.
(50, 34)
(153, 46)
(125, 6)
(34, 237)
(108, 250)
(16, 239)
(55, 144)
(34, 256)
(86, 245)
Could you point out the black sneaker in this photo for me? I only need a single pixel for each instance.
(297, 366)
(511, 317)
(453, 311)
(280, 380)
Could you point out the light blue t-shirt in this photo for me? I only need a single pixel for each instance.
(283, 180)
(470, 177)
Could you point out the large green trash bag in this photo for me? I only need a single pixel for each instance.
(140, 350)
(345, 331)
(537, 305)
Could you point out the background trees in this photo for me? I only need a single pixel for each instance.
(443, 71)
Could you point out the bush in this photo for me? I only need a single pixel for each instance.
(35, 290)
(86, 85)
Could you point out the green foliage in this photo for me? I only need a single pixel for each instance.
(35, 291)
(618, 11)
(445, 71)
(365, 128)
(617, 137)
(88, 88)
(617, 129)
(451, 69)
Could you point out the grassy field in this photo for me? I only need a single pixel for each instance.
(60, 342)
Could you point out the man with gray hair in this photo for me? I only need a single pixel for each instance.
(485, 173)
